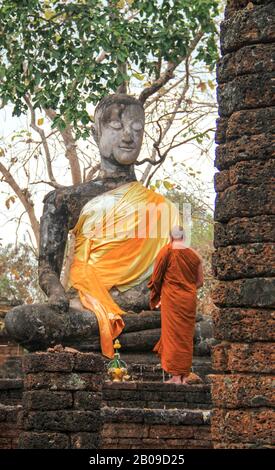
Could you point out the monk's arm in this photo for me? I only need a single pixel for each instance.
(53, 236)
(200, 277)
(156, 279)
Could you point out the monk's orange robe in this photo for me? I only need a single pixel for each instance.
(174, 283)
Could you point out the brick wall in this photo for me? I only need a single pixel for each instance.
(153, 415)
(10, 408)
(61, 401)
(243, 261)
(155, 429)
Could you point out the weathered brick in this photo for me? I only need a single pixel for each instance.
(248, 26)
(249, 425)
(125, 404)
(9, 430)
(244, 357)
(9, 413)
(221, 127)
(47, 400)
(88, 362)
(241, 391)
(129, 430)
(255, 58)
(244, 324)
(48, 362)
(43, 440)
(242, 445)
(85, 440)
(87, 400)
(246, 172)
(120, 385)
(202, 432)
(5, 443)
(244, 201)
(177, 432)
(246, 92)
(250, 151)
(234, 6)
(63, 421)
(246, 126)
(255, 292)
(250, 260)
(11, 397)
(245, 230)
(56, 381)
(63, 362)
(118, 415)
(176, 417)
(11, 384)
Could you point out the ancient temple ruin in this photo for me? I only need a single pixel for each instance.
(67, 404)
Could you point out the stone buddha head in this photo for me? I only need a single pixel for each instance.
(118, 130)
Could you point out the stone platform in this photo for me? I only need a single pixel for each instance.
(65, 401)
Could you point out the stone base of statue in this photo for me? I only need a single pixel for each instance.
(37, 327)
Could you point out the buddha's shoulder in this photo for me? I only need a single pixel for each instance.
(78, 194)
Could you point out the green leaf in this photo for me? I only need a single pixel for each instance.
(138, 76)
(168, 185)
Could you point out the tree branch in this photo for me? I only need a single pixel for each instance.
(168, 74)
(167, 127)
(70, 145)
(44, 142)
(47, 182)
(24, 198)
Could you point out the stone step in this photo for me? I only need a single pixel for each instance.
(157, 416)
(146, 367)
(156, 395)
(137, 428)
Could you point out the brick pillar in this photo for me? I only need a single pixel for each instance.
(243, 261)
(61, 401)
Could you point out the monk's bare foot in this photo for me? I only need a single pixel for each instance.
(175, 379)
(184, 380)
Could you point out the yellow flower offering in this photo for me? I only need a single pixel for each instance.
(117, 344)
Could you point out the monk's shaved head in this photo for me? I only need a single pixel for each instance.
(177, 233)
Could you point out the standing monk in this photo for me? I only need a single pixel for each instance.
(177, 275)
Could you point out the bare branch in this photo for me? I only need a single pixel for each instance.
(25, 199)
(44, 142)
(165, 92)
(92, 172)
(168, 74)
(47, 182)
(167, 127)
(17, 228)
(70, 145)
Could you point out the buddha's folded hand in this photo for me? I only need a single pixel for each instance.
(59, 302)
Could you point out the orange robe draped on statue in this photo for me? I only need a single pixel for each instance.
(117, 238)
(174, 283)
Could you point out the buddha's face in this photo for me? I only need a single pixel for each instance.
(120, 132)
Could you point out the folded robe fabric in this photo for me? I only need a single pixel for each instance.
(174, 283)
(117, 238)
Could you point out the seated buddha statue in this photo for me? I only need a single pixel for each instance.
(119, 226)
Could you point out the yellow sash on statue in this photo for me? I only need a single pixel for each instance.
(117, 238)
